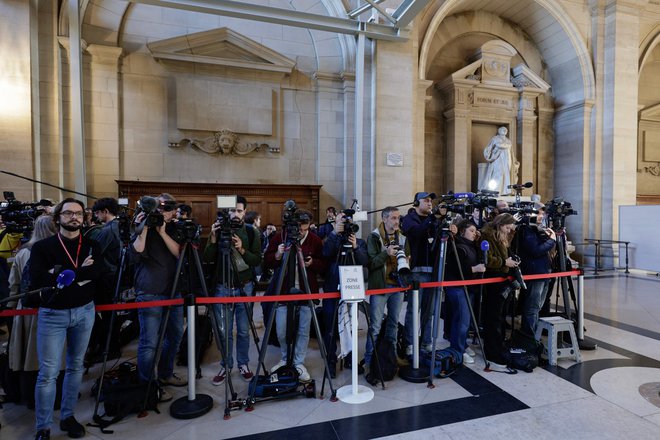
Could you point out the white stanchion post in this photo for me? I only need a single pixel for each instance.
(580, 317)
(354, 393)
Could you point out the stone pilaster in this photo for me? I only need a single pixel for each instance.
(102, 115)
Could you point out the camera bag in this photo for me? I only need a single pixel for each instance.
(447, 361)
(279, 383)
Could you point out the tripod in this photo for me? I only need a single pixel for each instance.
(288, 267)
(442, 255)
(346, 257)
(229, 274)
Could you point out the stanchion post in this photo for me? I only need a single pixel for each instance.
(415, 301)
(580, 317)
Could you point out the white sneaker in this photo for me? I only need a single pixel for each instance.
(501, 368)
(303, 374)
(470, 352)
(467, 359)
(277, 366)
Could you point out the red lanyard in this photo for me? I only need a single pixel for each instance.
(75, 263)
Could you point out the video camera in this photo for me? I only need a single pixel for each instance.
(517, 282)
(557, 210)
(186, 230)
(349, 226)
(150, 206)
(292, 218)
(228, 226)
(19, 217)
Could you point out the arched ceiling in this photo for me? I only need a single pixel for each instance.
(557, 38)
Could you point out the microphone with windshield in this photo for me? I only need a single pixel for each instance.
(38, 297)
(484, 247)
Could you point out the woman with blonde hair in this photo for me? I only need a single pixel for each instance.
(23, 338)
(498, 233)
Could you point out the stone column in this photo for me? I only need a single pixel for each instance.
(620, 77)
(102, 114)
(15, 108)
(544, 155)
(335, 150)
(526, 137)
(396, 89)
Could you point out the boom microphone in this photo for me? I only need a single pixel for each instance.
(521, 186)
(465, 195)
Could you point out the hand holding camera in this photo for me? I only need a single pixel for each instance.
(512, 262)
(392, 249)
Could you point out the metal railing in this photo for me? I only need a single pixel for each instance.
(598, 243)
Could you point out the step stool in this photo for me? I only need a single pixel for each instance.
(556, 325)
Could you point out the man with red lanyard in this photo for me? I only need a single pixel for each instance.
(65, 315)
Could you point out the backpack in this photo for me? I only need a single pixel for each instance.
(123, 393)
(385, 353)
(446, 362)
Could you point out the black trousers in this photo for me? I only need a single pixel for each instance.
(493, 314)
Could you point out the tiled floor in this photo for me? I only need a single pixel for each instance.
(599, 398)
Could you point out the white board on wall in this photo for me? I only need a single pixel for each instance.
(639, 226)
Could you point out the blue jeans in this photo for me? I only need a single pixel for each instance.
(150, 322)
(376, 313)
(302, 334)
(426, 308)
(242, 325)
(460, 318)
(536, 293)
(54, 328)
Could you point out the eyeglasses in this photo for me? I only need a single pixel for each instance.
(69, 214)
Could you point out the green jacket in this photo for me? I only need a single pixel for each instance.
(378, 258)
(252, 256)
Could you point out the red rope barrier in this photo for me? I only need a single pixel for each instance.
(293, 297)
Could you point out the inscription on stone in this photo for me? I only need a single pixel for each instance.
(493, 101)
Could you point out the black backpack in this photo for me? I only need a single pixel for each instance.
(447, 361)
(123, 393)
(385, 352)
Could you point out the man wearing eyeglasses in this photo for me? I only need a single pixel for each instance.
(155, 253)
(65, 314)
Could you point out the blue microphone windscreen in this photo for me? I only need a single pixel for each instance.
(485, 246)
(65, 278)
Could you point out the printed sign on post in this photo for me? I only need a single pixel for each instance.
(351, 283)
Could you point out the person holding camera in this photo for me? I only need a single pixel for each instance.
(467, 267)
(535, 245)
(245, 246)
(383, 245)
(65, 315)
(329, 225)
(420, 228)
(499, 263)
(311, 247)
(155, 254)
(341, 247)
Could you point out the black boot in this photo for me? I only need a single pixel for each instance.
(72, 427)
(43, 434)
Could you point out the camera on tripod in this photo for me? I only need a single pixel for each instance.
(150, 206)
(19, 217)
(557, 210)
(349, 226)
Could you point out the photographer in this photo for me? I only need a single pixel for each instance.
(470, 268)
(66, 316)
(498, 233)
(420, 228)
(245, 256)
(155, 253)
(106, 210)
(328, 226)
(341, 247)
(383, 244)
(535, 246)
(312, 250)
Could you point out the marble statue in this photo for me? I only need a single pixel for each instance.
(503, 167)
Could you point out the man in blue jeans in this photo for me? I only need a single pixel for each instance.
(66, 315)
(244, 251)
(420, 228)
(155, 253)
(535, 244)
(382, 246)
